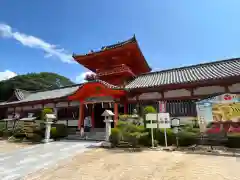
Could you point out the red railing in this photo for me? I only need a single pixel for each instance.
(114, 70)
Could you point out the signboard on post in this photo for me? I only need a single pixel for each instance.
(152, 117)
(164, 122)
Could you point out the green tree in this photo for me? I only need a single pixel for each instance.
(32, 82)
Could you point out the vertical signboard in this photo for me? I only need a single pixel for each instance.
(162, 106)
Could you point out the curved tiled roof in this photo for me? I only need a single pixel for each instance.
(113, 46)
(108, 85)
(119, 44)
(25, 96)
(45, 95)
(188, 74)
(21, 94)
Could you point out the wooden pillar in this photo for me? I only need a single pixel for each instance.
(92, 116)
(125, 108)
(138, 105)
(226, 89)
(115, 113)
(81, 115)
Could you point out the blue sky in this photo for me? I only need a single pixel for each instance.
(38, 36)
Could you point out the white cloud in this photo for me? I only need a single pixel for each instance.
(80, 78)
(50, 50)
(156, 69)
(7, 74)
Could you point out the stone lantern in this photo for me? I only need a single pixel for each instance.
(108, 119)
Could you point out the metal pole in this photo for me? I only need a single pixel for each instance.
(177, 139)
(152, 135)
(165, 134)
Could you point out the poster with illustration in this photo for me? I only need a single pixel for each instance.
(219, 113)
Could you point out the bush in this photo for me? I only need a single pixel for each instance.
(19, 135)
(160, 137)
(60, 132)
(133, 139)
(53, 133)
(187, 138)
(146, 110)
(39, 131)
(149, 109)
(130, 133)
(1, 133)
(233, 141)
(124, 117)
(7, 133)
(115, 137)
(44, 112)
(190, 128)
(35, 138)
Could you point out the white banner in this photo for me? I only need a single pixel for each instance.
(164, 120)
(162, 106)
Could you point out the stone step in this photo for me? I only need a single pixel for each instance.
(93, 135)
(77, 137)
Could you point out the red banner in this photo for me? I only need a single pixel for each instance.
(162, 106)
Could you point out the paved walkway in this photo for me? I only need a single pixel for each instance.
(17, 164)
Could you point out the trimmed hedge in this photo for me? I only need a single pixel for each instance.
(129, 133)
(115, 137)
(233, 141)
(58, 131)
(138, 135)
(187, 138)
(7, 133)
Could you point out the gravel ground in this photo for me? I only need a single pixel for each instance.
(6, 146)
(99, 164)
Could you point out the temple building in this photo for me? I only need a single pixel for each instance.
(124, 81)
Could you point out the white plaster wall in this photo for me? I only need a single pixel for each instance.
(208, 90)
(38, 106)
(234, 87)
(74, 103)
(185, 120)
(71, 122)
(177, 93)
(62, 104)
(10, 109)
(150, 95)
(49, 105)
(27, 107)
(18, 109)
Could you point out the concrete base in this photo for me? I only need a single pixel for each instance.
(106, 144)
(168, 148)
(47, 140)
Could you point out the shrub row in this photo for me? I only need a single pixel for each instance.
(139, 136)
(58, 131)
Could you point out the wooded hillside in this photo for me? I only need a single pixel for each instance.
(32, 82)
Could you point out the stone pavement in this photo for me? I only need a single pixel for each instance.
(15, 165)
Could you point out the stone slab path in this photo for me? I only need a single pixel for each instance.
(17, 164)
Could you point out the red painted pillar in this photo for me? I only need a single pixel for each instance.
(81, 115)
(125, 108)
(115, 114)
(92, 116)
